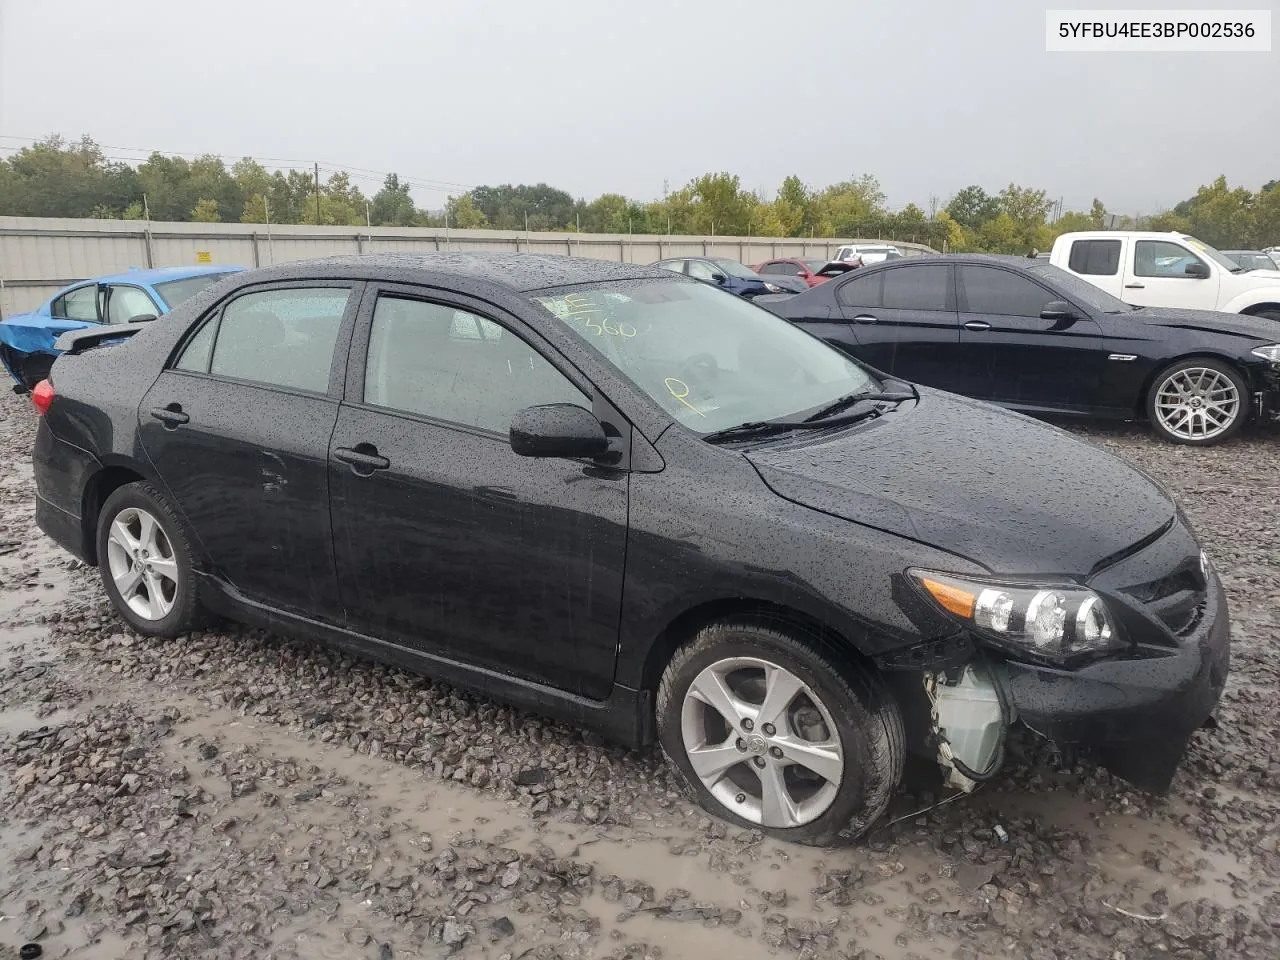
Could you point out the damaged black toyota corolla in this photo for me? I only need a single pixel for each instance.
(634, 501)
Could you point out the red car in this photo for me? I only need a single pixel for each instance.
(811, 270)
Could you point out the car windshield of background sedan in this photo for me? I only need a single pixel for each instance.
(709, 360)
(175, 291)
(1081, 291)
(734, 269)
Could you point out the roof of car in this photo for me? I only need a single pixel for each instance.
(1007, 259)
(162, 274)
(521, 272)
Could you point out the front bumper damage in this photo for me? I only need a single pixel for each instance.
(1135, 713)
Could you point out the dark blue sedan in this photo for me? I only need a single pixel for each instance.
(732, 276)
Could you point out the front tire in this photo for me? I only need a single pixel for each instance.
(1199, 402)
(1268, 314)
(145, 560)
(769, 733)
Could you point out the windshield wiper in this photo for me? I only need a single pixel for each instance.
(872, 407)
(848, 401)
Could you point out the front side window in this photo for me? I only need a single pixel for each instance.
(675, 266)
(926, 287)
(1095, 258)
(124, 303)
(283, 338)
(78, 304)
(449, 364)
(708, 360)
(1161, 258)
(1002, 293)
(701, 270)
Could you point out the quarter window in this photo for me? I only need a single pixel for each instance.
(452, 365)
(1160, 258)
(1095, 258)
(862, 292)
(284, 338)
(78, 304)
(1002, 293)
(925, 287)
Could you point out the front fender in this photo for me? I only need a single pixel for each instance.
(1253, 298)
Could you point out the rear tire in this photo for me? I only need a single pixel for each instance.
(816, 747)
(146, 562)
(1199, 402)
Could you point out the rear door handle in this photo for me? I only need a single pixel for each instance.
(865, 318)
(977, 325)
(171, 416)
(1135, 286)
(363, 458)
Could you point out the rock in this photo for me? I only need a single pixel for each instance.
(455, 933)
(501, 928)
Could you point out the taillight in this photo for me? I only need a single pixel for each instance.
(42, 396)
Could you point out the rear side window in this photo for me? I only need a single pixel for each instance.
(924, 287)
(452, 365)
(283, 338)
(862, 292)
(1095, 258)
(1002, 293)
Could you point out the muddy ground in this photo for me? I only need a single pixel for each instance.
(238, 795)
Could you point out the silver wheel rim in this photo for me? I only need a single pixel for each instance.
(762, 742)
(1198, 403)
(141, 563)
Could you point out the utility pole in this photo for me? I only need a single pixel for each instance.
(317, 194)
(368, 219)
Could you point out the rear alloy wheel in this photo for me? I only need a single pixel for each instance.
(145, 561)
(769, 733)
(1198, 402)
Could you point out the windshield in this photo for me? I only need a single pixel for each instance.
(1081, 291)
(1217, 256)
(174, 292)
(1251, 260)
(733, 268)
(815, 265)
(709, 359)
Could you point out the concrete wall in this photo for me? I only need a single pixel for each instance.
(40, 255)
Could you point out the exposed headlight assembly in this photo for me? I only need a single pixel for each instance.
(1271, 353)
(773, 288)
(1054, 621)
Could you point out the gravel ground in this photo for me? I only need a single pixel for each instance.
(235, 795)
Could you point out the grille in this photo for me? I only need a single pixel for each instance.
(1177, 600)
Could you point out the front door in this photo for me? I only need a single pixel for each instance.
(1023, 359)
(239, 429)
(1156, 276)
(904, 321)
(446, 540)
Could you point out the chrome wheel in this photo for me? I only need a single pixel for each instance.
(762, 742)
(142, 565)
(1197, 403)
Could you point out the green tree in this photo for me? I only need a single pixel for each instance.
(972, 207)
(392, 206)
(850, 207)
(255, 209)
(134, 211)
(205, 211)
(793, 208)
(1097, 215)
(462, 213)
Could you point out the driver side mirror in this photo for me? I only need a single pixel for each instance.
(718, 278)
(1197, 270)
(1057, 310)
(557, 430)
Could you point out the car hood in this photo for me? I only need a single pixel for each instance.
(35, 332)
(1000, 489)
(1211, 321)
(1269, 277)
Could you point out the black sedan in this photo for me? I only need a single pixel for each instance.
(1030, 336)
(617, 495)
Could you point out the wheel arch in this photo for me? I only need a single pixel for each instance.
(1256, 309)
(114, 474)
(1158, 371)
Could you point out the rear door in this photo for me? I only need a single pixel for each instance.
(447, 541)
(238, 428)
(1016, 356)
(1100, 262)
(905, 322)
(1156, 276)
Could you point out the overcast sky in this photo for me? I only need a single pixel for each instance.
(599, 95)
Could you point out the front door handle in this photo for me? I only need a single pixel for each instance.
(865, 318)
(363, 458)
(1135, 286)
(171, 416)
(977, 325)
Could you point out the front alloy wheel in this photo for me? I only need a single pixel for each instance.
(769, 732)
(1198, 402)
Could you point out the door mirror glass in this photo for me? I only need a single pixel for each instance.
(1197, 270)
(557, 430)
(1057, 310)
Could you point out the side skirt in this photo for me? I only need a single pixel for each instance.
(626, 716)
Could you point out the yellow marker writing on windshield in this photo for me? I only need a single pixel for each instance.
(673, 385)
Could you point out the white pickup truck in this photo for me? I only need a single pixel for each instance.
(1167, 270)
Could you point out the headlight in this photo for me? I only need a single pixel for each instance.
(1057, 621)
(773, 288)
(1271, 352)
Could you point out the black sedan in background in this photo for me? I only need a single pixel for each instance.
(1027, 335)
(620, 496)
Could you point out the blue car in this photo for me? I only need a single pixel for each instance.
(26, 339)
(732, 276)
